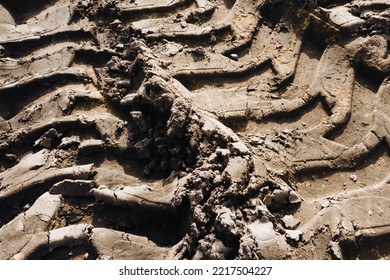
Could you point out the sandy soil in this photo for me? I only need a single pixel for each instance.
(194, 129)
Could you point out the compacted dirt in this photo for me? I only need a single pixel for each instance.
(194, 129)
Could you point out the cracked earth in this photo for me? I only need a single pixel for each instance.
(194, 129)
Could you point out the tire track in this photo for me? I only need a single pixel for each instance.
(52, 143)
(167, 120)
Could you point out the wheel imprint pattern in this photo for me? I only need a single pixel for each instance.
(151, 129)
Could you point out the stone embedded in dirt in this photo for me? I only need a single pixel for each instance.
(234, 56)
(353, 177)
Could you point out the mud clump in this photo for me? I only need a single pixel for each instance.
(194, 130)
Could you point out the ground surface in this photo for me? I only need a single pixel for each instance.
(194, 129)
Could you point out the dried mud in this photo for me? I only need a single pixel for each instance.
(194, 129)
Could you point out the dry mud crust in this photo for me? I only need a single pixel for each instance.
(194, 129)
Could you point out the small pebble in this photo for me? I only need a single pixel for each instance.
(234, 56)
(120, 46)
